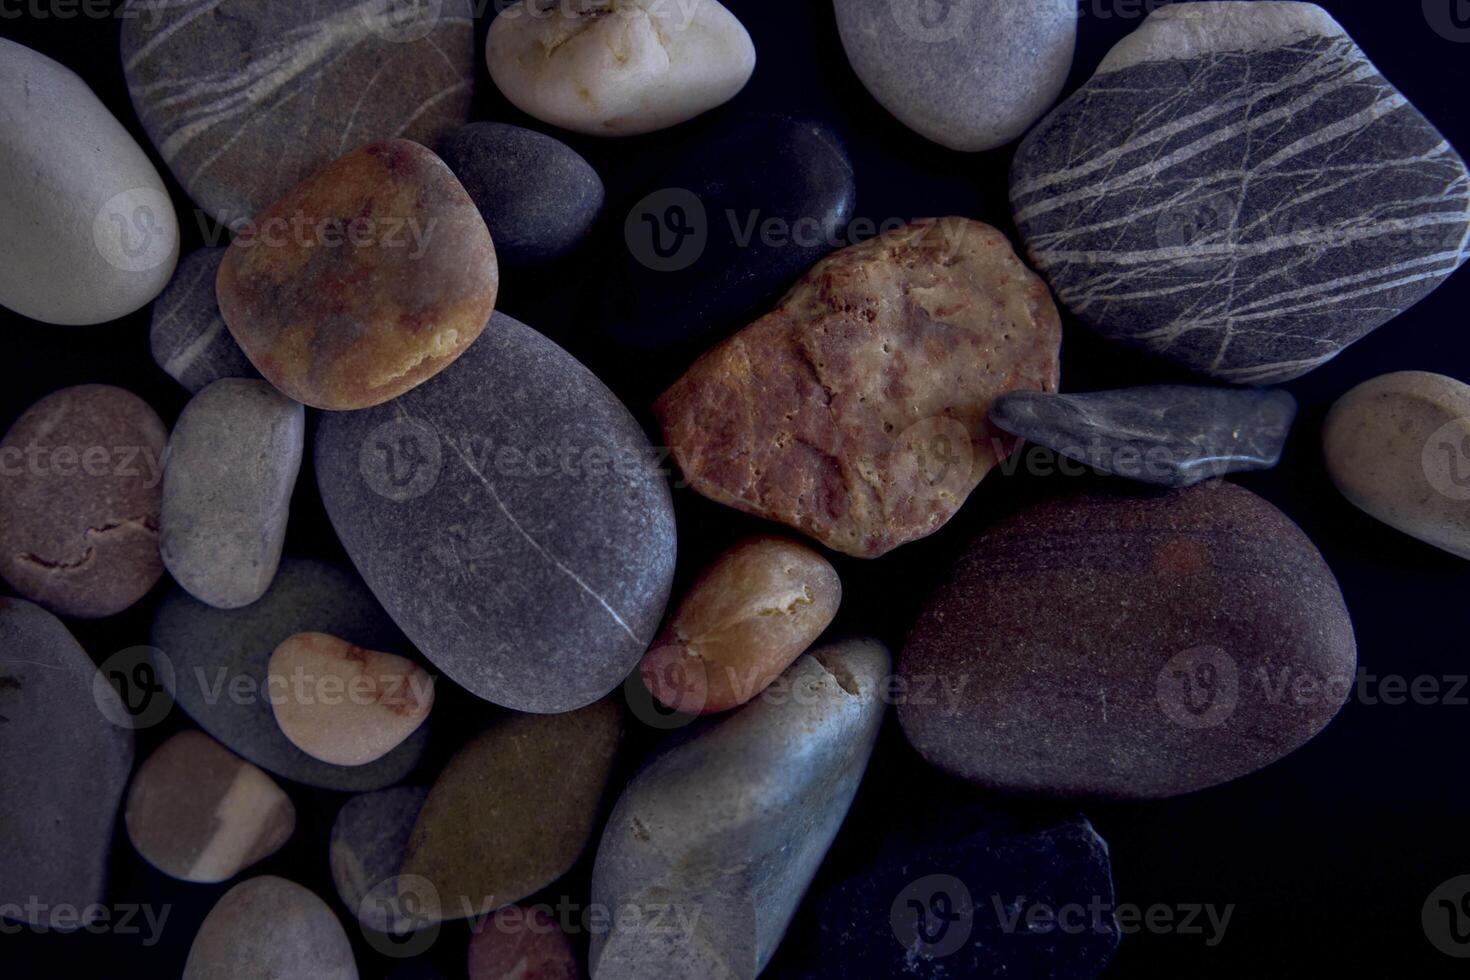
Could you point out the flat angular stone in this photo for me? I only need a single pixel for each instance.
(855, 412)
(511, 813)
(719, 234)
(536, 194)
(1173, 435)
(81, 487)
(199, 812)
(365, 280)
(1240, 191)
(188, 337)
(618, 68)
(1168, 621)
(270, 927)
(90, 234)
(510, 517)
(63, 766)
(244, 101)
(232, 464)
(970, 74)
(1398, 448)
(369, 838)
(221, 657)
(723, 832)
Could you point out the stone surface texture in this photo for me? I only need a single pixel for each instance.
(188, 337)
(855, 412)
(368, 841)
(270, 927)
(1239, 190)
(521, 944)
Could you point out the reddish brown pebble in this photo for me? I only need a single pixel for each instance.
(745, 620)
(364, 281)
(856, 411)
(521, 944)
(81, 486)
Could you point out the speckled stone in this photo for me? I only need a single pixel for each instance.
(368, 841)
(270, 927)
(81, 487)
(63, 768)
(621, 69)
(1167, 622)
(1398, 447)
(221, 657)
(1172, 435)
(721, 834)
(245, 100)
(521, 944)
(232, 464)
(188, 337)
(536, 194)
(90, 234)
(967, 74)
(199, 812)
(722, 231)
(345, 312)
(1240, 191)
(753, 611)
(512, 811)
(511, 517)
(855, 412)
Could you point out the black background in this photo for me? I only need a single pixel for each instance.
(1327, 856)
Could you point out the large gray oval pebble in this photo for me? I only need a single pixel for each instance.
(509, 514)
(188, 336)
(369, 840)
(227, 482)
(269, 927)
(63, 766)
(220, 659)
(728, 828)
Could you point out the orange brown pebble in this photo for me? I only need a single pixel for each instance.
(855, 412)
(367, 279)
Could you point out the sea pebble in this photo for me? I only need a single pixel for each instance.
(188, 337)
(536, 194)
(511, 812)
(345, 705)
(246, 100)
(199, 812)
(81, 474)
(856, 411)
(227, 484)
(68, 749)
(725, 830)
(270, 927)
(618, 67)
(1398, 447)
(219, 664)
(1173, 435)
(753, 611)
(969, 75)
(1239, 190)
(369, 838)
(1129, 646)
(90, 234)
(353, 311)
(521, 944)
(510, 515)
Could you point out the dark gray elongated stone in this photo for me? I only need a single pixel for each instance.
(220, 659)
(369, 839)
(187, 336)
(1239, 190)
(536, 194)
(1173, 435)
(725, 830)
(508, 513)
(65, 757)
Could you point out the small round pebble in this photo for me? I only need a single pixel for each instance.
(199, 812)
(270, 927)
(81, 486)
(521, 944)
